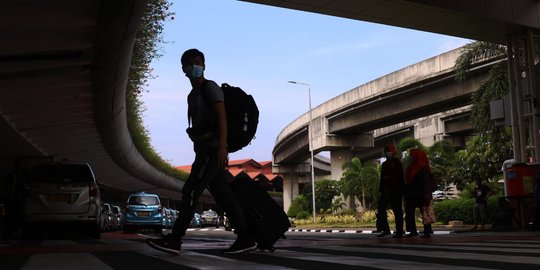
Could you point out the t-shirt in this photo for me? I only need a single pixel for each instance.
(480, 193)
(201, 112)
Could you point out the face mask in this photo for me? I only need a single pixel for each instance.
(194, 72)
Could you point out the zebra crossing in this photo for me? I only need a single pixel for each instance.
(444, 252)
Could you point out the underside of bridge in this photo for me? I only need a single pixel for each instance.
(63, 76)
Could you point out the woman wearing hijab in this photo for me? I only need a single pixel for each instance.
(418, 191)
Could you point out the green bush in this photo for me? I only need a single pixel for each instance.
(299, 204)
(461, 209)
(303, 215)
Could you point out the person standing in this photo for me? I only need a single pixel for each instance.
(418, 191)
(16, 194)
(391, 192)
(481, 193)
(536, 223)
(208, 132)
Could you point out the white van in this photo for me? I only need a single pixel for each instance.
(63, 194)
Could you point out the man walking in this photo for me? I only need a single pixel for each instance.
(208, 132)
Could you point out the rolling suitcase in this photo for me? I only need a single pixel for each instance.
(265, 218)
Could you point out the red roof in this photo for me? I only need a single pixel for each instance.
(235, 171)
(265, 163)
(184, 168)
(245, 166)
(239, 162)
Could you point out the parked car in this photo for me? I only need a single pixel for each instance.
(225, 222)
(166, 213)
(106, 218)
(210, 217)
(63, 194)
(118, 217)
(196, 221)
(143, 210)
(174, 216)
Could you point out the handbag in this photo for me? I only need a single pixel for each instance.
(428, 215)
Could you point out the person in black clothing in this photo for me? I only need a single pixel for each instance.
(209, 135)
(481, 193)
(418, 191)
(391, 192)
(16, 194)
(536, 223)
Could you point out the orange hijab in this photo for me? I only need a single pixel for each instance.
(419, 161)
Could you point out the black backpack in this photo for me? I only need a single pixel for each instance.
(242, 117)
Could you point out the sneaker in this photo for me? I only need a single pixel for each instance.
(166, 244)
(241, 245)
(412, 234)
(383, 234)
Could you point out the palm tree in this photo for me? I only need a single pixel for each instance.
(495, 87)
(360, 179)
(495, 139)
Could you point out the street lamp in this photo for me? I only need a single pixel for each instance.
(310, 132)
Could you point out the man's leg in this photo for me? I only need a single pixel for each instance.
(483, 214)
(397, 207)
(476, 215)
(192, 190)
(382, 217)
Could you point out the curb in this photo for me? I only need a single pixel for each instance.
(355, 231)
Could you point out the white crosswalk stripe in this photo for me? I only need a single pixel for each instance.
(202, 253)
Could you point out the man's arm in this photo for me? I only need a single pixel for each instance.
(221, 118)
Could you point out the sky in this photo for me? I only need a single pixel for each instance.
(260, 48)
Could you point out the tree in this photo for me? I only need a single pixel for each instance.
(482, 158)
(495, 87)
(442, 158)
(486, 152)
(325, 191)
(361, 180)
(404, 145)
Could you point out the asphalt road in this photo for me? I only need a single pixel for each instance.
(301, 250)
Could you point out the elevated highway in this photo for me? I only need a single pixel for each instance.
(349, 120)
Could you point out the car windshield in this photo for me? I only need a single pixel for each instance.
(62, 173)
(143, 200)
(209, 213)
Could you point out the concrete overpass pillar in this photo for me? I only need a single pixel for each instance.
(290, 190)
(291, 178)
(338, 158)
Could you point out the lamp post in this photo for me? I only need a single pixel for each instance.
(310, 132)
